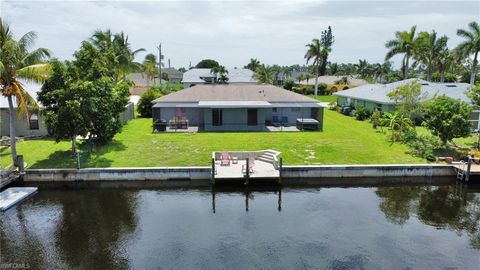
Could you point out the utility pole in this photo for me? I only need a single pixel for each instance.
(160, 56)
(169, 70)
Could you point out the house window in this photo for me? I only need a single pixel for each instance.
(274, 110)
(295, 109)
(378, 107)
(33, 122)
(217, 119)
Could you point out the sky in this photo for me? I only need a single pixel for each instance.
(232, 32)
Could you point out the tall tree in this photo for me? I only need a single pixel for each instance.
(253, 64)
(317, 53)
(444, 60)
(221, 73)
(150, 66)
(265, 74)
(326, 39)
(207, 63)
(84, 98)
(471, 45)
(18, 61)
(404, 43)
(124, 56)
(428, 50)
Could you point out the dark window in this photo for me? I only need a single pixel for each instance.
(252, 117)
(33, 122)
(217, 119)
(274, 109)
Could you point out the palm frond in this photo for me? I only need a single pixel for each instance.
(465, 34)
(38, 72)
(35, 57)
(26, 41)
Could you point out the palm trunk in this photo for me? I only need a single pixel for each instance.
(13, 141)
(405, 67)
(316, 82)
(429, 72)
(74, 146)
(474, 67)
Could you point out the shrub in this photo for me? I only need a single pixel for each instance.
(288, 84)
(361, 113)
(322, 89)
(375, 119)
(144, 106)
(423, 145)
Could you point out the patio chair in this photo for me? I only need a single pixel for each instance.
(285, 121)
(225, 159)
(275, 121)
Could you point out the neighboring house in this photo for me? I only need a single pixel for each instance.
(196, 76)
(281, 76)
(374, 96)
(174, 76)
(332, 82)
(236, 107)
(141, 83)
(34, 126)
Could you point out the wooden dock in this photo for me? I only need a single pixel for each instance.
(8, 176)
(466, 169)
(246, 165)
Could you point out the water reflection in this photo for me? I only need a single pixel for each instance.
(249, 195)
(70, 229)
(454, 208)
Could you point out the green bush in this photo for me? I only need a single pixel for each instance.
(322, 89)
(375, 119)
(303, 89)
(423, 145)
(144, 106)
(361, 113)
(288, 84)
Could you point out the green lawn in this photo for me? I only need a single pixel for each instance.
(329, 98)
(344, 141)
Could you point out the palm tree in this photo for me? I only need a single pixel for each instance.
(317, 53)
(253, 65)
(404, 43)
(428, 49)
(300, 77)
(17, 61)
(150, 66)
(125, 55)
(471, 45)
(445, 59)
(221, 73)
(265, 74)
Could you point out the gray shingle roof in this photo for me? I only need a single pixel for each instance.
(378, 92)
(235, 75)
(234, 92)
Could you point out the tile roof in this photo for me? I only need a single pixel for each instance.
(378, 92)
(234, 92)
(235, 75)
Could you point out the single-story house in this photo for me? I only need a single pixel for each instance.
(174, 75)
(35, 125)
(332, 82)
(375, 96)
(196, 76)
(141, 83)
(237, 107)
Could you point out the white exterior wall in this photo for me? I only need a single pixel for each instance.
(21, 125)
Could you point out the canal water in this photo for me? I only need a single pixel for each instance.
(407, 227)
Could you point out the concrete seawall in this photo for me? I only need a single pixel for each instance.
(291, 175)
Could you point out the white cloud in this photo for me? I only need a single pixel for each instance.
(232, 32)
